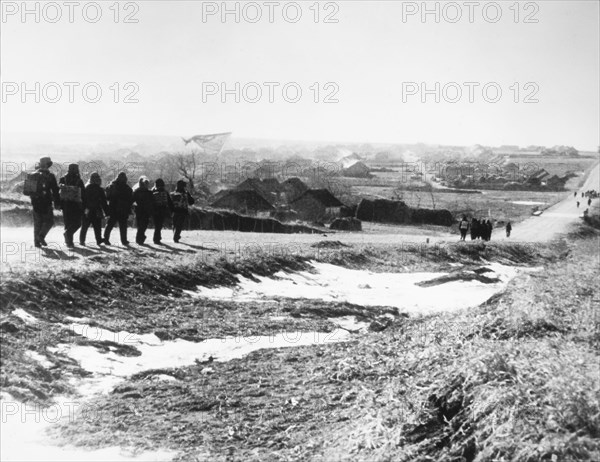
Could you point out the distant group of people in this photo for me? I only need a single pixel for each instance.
(590, 194)
(85, 205)
(478, 229)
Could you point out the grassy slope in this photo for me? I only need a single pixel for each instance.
(516, 379)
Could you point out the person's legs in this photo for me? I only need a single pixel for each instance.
(143, 221)
(158, 225)
(37, 225)
(178, 220)
(97, 225)
(46, 225)
(112, 221)
(85, 224)
(72, 217)
(123, 230)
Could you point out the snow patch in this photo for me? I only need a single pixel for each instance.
(527, 203)
(24, 315)
(337, 284)
(43, 360)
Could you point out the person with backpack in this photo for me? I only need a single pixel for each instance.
(508, 229)
(181, 202)
(42, 188)
(144, 208)
(72, 197)
(163, 208)
(120, 200)
(95, 209)
(463, 226)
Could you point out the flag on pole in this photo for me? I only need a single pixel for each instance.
(211, 144)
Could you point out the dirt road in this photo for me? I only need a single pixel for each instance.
(557, 219)
(17, 250)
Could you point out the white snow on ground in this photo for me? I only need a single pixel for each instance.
(43, 360)
(112, 368)
(334, 283)
(24, 315)
(527, 203)
(23, 426)
(350, 323)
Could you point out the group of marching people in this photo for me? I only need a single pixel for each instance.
(85, 205)
(590, 194)
(479, 229)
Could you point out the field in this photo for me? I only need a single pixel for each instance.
(395, 343)
(513, 378)
(498, 204)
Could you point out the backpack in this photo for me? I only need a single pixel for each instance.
(70, 193)
(180, 201)
(34, 184)
(464, 224)
(160, 198)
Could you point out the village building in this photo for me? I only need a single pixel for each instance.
(356, 169)
(317, 205)
(248, 202)
(538, 177)
(269, 188)
(292, 189)
(555, 182)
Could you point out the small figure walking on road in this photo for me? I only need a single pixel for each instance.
(581, 194)
(474, 229)
(464, 227)
(577, 204)
(589, 202)
(489, 227)
(508, 229)
(575, 194)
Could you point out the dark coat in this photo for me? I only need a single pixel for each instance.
(475, 233)
(120, 199)
(73, 180)
(181, 210)
(95, 199)
(162, 209)
(144, 201)
(43, 203)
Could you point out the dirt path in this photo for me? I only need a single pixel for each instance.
(556, 219)
(17, 251)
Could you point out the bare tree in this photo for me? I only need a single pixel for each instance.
(186, 164)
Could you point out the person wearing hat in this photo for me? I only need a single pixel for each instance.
(120, 200)
(163, 208)
(41, 201)
(144, 208)
(182, 199)
(72, 196)
(95, 209)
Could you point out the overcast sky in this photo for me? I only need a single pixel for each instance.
(367, 54)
